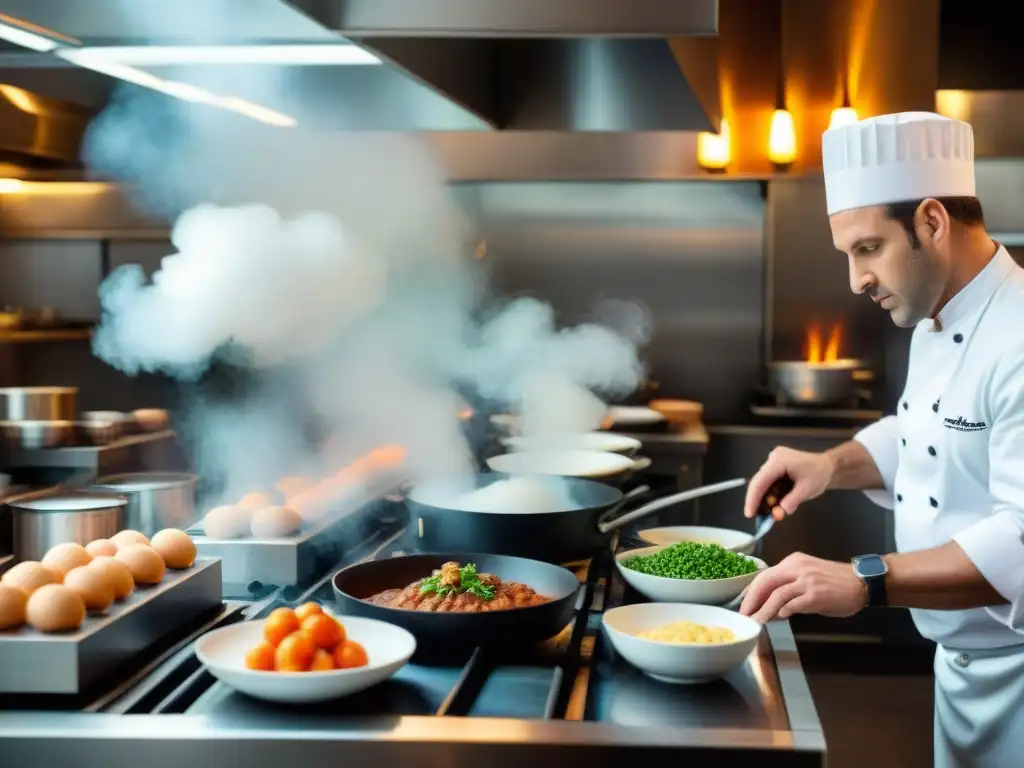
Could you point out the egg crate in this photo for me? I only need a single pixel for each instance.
(70, 663)
(251, 565)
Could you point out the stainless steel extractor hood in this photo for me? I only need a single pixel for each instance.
(452, 65)
(39, 132)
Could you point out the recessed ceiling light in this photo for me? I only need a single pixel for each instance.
(301, 55)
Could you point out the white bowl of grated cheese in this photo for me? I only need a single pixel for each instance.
(681, 642)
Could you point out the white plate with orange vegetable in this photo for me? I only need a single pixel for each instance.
(305, 655)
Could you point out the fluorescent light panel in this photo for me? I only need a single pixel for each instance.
(169, 55)
(26, 39)
(88, 59)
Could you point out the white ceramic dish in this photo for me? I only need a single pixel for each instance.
(223, 651)
(677, 663)
(734, 541)
(592, 464)
(634, 415)
(713, 592)
(606, 442)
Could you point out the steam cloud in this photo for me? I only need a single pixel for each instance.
(342, 259)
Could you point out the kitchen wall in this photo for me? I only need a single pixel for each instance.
(691, 252)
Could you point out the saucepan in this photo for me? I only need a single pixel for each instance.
(609, 468)
(454, 632)
(802, 383)
(553, 519)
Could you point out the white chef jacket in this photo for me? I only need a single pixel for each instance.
(952, 458)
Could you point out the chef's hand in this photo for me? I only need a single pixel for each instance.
(811, 474)
(804, 584)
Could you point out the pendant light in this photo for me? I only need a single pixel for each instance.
(714, 151)
(782, 134)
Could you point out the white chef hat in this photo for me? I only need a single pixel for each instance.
(896, 158)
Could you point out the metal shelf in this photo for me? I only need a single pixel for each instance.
(40, 336)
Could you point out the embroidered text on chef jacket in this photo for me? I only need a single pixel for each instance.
(952, 458)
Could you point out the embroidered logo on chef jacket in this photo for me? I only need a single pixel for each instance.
(960, 424)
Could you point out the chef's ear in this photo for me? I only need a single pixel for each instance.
(932, 219)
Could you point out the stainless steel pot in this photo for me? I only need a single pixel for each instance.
(38, 403)
(803, 383)
(37, 434)
(41, 522)
(156, 500)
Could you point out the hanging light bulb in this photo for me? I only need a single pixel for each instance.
(782, 138)
(714, 150)
(842, 116)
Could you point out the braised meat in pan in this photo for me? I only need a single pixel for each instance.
(459, 588)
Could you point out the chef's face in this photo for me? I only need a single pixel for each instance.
(905, 276)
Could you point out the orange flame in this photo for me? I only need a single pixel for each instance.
(820, 350)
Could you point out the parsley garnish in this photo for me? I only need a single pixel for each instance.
(469, 582)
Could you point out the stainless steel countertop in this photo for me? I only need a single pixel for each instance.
(501, 712)
(255, 734)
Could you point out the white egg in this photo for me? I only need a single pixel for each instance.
(227, 522)
(275, 522)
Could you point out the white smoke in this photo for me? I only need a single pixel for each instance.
(343, 257)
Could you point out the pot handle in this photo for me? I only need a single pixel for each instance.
(676, 498)
(611, 512)
(641, 464)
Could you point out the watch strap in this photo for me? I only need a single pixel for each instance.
(877, 596)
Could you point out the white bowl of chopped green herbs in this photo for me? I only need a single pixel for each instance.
(733, 540)
(680, 662)
(688, 572)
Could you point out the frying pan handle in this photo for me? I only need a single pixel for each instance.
(611, 512)
(668, 501)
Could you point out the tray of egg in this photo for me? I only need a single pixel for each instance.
(96, 605)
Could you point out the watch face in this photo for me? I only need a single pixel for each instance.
(870, 565)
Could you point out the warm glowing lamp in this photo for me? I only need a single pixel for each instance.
(10, 185)
(713, 149)
(782, 138)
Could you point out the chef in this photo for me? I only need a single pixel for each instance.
(950, 462)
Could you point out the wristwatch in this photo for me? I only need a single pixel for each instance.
(871, 569)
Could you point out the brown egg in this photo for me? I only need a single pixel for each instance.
(63, 557)
(128, 536)
(117, 573)
(143, 561)
(12, 607)
(30, 576)
(55, 608)
(95, 589)
(227, 522)
(275, 522)
(254, 501)
(175, 547)
(101, 548)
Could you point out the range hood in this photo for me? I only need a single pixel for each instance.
(451, 65)
(37, 132)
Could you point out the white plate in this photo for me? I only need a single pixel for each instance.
(223, 651)
(586, 441)
(564, 463)
(676, 663)
(634, 415)
(713, 592)
(733, 540)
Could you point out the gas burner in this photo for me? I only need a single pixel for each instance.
(769, 405)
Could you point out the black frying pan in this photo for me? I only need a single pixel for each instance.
(564, 536)
(454, 632)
